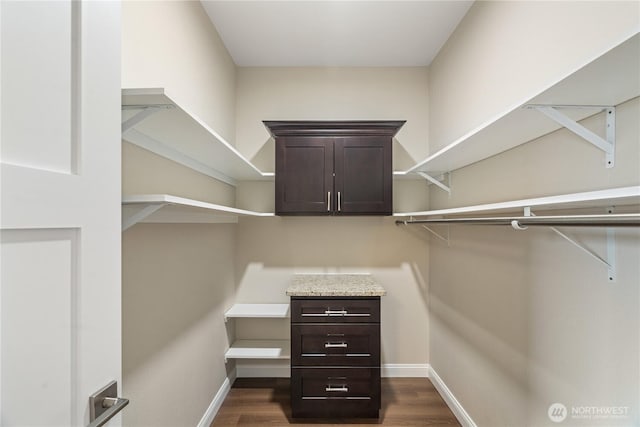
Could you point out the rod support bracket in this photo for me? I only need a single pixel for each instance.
(611, 251)
(516, 225)
(609, 262)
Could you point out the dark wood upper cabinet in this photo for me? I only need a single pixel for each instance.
(333, 168)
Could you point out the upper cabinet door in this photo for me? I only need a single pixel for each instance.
(363, 175)
(304, 176)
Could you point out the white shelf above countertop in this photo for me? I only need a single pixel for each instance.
(154, 121)
(608, 80)
(259, 349)
(613, 196)
(165, 208)
(258, 311)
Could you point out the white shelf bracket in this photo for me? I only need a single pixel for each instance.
(445, 177)
(141, 215)
(606, 144)
(145, 111)
(611, 245)
(438, 235)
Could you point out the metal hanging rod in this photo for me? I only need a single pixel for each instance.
(520, 222)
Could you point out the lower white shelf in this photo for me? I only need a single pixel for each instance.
(258, 311)
(259, 349)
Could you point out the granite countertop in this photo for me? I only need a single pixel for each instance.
(334, 285)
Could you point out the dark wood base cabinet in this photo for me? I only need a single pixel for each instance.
(335, 357)
(335, 392)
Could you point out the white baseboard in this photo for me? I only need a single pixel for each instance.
(389, 370)
(217, 401)
(451, 401)
(405, 370)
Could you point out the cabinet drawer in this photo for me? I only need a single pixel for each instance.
(335, 310)
(335, 392)
(335, 345)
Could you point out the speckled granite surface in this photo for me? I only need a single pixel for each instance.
(334, 285)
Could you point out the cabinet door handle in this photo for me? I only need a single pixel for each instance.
(339, 202)
(328, 201)
(343, 388)
(336, 345)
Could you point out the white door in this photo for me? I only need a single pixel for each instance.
(60, 214)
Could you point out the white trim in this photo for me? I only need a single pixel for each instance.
(407, 370)
(463, 417)
(216, 403)
(388, 370)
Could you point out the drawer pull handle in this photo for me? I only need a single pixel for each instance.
(342, 313)
(342, 388)
(335, 345)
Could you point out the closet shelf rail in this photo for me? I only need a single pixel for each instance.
(521, 222)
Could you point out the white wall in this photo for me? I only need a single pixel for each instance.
(172, 45)
(177, 279)
(521, 320)
(505, 52)
(332, 94)
(500, 315)
(167, 265)
(270, 251)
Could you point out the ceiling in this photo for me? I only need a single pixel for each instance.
(356, 33)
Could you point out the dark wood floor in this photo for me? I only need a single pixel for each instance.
(265, 402)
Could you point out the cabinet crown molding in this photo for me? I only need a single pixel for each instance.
(279, 128)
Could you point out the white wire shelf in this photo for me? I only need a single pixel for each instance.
(609, 197)
(258, 311)
(164, 208)
(259, 349)
(154, 121)
(608, 80)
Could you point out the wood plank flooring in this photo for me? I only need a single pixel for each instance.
(265, 402)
